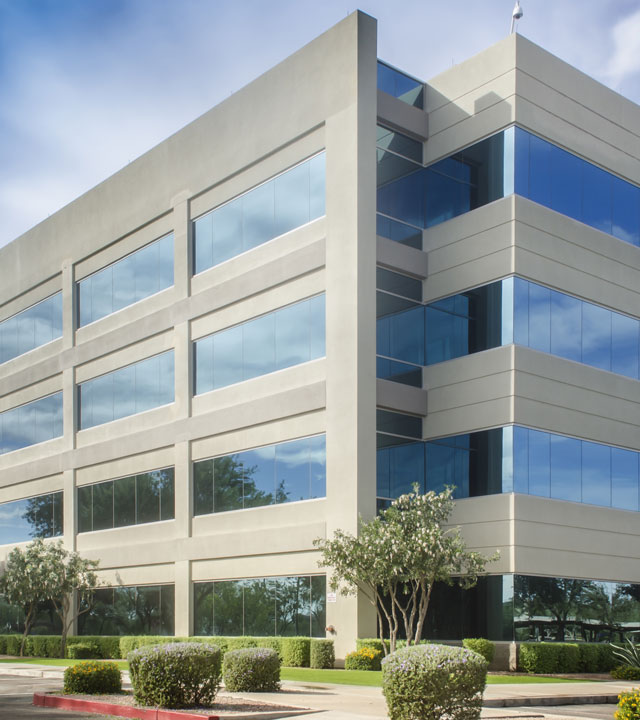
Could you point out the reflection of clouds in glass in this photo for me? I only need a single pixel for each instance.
(12, 511)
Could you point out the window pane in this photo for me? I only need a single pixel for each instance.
(317, 330)
(292, 335)
(625, 345)
(203, 487)
(318, 457)
(203, 244)
(539, 318)
(103, 506)
(228, 478)
(596, 474)
(257, 216)
(566, 326)
(291, 199)
(566, 179)
(227, 357)
(596, 205)
(147, 498)
(259, 476)
(626, 211)
(124, 283)
(596, 336)
(228, 608)
(227, 232)
(293, 471)
(624, 479)
(259, 607)
(539, 463)
(258, 338)
(204, 365)
(203, 608)
(165, 479)
(565, 468)
(124, 501)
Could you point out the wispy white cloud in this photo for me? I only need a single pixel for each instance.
(625, 58)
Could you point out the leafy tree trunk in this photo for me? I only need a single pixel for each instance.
(28, 624)
(425, 596)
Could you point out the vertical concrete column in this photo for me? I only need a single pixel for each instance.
(68, 305)
(69, 408)
(351, 321)
(183, 489)
(183, 602)
(183, 370)
(69, 509)
(182, 262)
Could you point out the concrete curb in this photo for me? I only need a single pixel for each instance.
(105, 708)
(543, 700)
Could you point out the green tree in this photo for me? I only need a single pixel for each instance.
(48, 571)
(398, 557)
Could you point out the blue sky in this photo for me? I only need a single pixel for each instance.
(86, 86)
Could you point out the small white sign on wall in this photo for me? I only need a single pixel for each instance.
(332, 597)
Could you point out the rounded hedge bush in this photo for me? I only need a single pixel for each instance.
(252, 670)
(93, 678)
(175, 675)
(366, 658)
(323, 654)
(483, 647)
(433, 681)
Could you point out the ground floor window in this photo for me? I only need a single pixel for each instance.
(47, 622)
(130, 610)
(529, 608)
(290, 606)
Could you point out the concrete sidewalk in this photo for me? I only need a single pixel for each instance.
(351, 702)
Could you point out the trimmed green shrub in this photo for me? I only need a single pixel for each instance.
(589, 657)
(322, 654)
(175, 675)
(13, 644)
(366, 658)
(252, 670)
(296, 651)
(625, 672)
(92, 678)
(434, 681)
(606, 659)
(568, 658)
(3, 644)
(483, 647)
(274, 643)
(82, 651)
(239, 643)
(539, 657)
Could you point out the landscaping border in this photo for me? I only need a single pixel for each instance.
(106, 708)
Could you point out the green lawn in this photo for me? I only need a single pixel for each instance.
(363, 677)
(309, 675)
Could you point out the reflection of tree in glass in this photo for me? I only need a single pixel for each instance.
(234, 486)
(293, 606)
(610, 611)
(561, 600)
(40, 513)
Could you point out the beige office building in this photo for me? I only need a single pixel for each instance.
(336, 283)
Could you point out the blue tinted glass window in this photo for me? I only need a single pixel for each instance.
(596, 474)
(286, 337)
(273, 474)
(539, 463)
(35, 517)
(399, 85)
(625, 345)
(566, 183)
(32, 423)
(135, 277)
(625, 480)
(566, 326)
(596, 202)
(132, 389)
(565, 468)
(626, 211)
(279, 205)
(31, 328)
(596, 336)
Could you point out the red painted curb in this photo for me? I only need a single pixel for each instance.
(105, 708)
